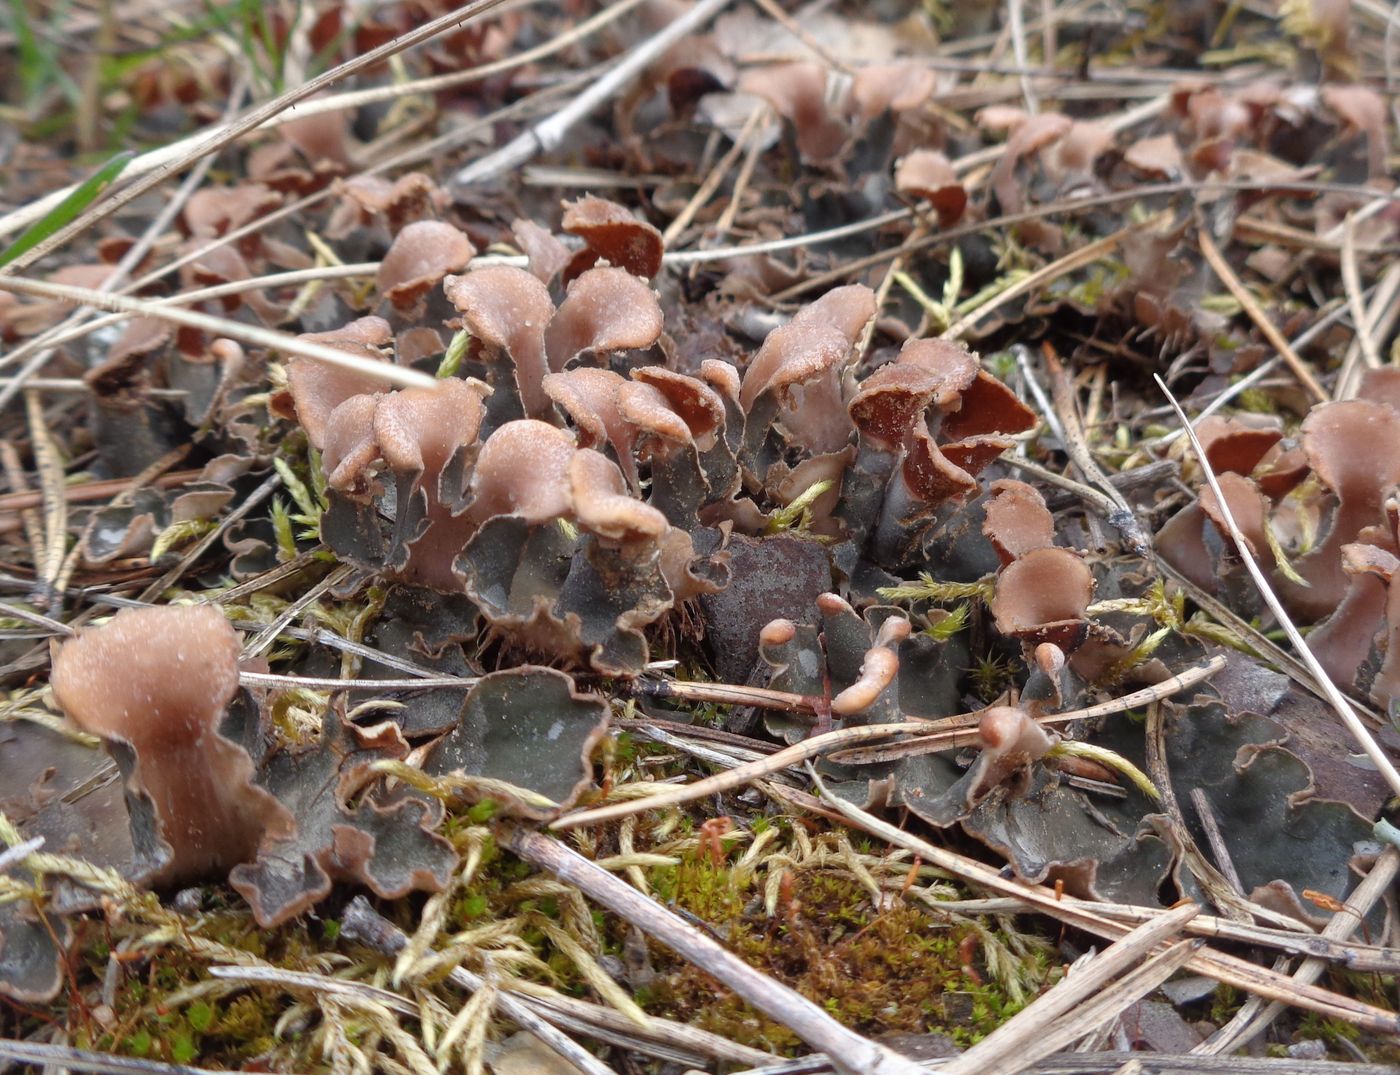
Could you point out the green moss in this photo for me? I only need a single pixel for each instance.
(900, 969)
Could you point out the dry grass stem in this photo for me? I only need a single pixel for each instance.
(1276, 339)
(1225, 968)
(1060, 1017)
(219, 326)
(547, 134)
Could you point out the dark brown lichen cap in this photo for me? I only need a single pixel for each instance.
(1017, 520)
(928, 175)
(523, 469)
(614, 234)
(159, 680)
(602, 505)
(819, 336)
(1354, 447)
(797, 92)
(927, 372)
(892, 87)
(318, 388)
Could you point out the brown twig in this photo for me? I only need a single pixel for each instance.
(941, 731)
(726, 694)
(1247, 1025)
(1218, 848)
(1276, 339)
(1077, 448)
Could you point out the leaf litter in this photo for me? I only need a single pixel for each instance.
(718, 426)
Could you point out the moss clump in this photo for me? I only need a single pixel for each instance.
(165, 1008)
(902, 968)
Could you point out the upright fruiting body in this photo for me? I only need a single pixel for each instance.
(157, 681)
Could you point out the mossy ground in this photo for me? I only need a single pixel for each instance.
(900, 968)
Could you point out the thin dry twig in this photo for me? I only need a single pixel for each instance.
(716, 176)
(1203, 188)
(944, 732)
(1291, 936)
(1224, 968)
(221, 326)
(1380, 320)
(1351, 282)
(223, 136)
(1076, 446)
(49, 466)
(268, 634)
(360, 922)
(547, 134)
(133, 257)
(65, 1056)
(1077, 259)
(206, 542)
(1247, 1026)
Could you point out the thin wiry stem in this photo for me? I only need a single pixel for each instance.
(817, 745)
(1280, 343)
(220, 326)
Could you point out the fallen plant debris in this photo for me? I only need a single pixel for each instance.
(647, 537)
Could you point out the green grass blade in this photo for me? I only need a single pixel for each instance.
(68, 209)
